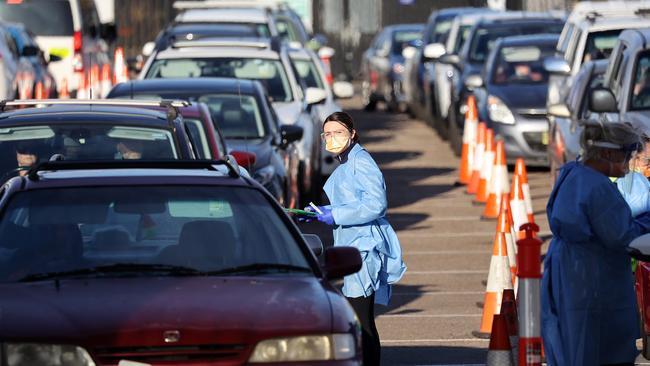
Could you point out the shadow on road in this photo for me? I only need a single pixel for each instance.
(395, 355)
(401, 296)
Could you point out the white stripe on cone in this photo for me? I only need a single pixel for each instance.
(488, 167)
(519, 216)
(479, 154)
(527, 198)
(499, 179)
(472, 125)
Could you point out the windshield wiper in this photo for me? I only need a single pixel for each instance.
(115, 268)
(261, 268)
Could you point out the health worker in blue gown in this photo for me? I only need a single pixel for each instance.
(357, 194)
(589, 314)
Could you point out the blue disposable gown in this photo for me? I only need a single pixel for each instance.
(589, 314)
(357, 194)
(635, 189)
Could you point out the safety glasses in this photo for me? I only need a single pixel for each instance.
(339, 134)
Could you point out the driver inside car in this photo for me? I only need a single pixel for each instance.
(26, 157)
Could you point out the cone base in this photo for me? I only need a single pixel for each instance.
(477, 202)
(480, 335)
(487, 218)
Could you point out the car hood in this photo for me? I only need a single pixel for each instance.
(521, 96)
(260, 147)
(136, 311)
(288, 112)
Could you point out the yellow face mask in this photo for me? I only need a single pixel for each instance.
(337, 144)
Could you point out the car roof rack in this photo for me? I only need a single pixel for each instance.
(171, 105)
(221, 42)
(58, 165)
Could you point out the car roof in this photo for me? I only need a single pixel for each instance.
(225, 15)
(530, 39)
(88, 114)
(473, 18)
(585, 9)
(204, 48)
(517, 17)
(224, 85)
(613, 23)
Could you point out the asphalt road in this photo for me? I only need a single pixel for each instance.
(446, 246)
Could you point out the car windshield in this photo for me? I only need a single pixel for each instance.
(24, 146)
(43, 17)
(485, 38)
(137, 231)
(641, 87)
(521, 65)
(308, 73)
(600, 44)
(439, 32)
(194, 31)
(401, 39)
(268, 72)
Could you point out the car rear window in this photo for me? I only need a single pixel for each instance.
(23, 146)
(42, 17)
(193, 31)
(137, 228)
(401, 38)
(268, 72)
(521, 65)
(238, 116)
(308, 73)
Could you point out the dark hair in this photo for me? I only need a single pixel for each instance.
(27, 148)
(344, 119)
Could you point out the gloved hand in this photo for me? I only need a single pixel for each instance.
(326, 217)
(307, 218)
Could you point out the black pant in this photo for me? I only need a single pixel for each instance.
(365, 309)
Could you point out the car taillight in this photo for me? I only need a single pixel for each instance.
(77, 60)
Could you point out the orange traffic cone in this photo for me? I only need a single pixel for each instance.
(498, 183)
(499, 279)
(95, 92)
(106, 80)
(488, 165)
(504, 226)
(64, 93)
(499, 352)
(82, 91)
(520, 169)
(469, 141)
(509, 311)
(120, 70)
(518, 206)
(479, 152)
(39, 93)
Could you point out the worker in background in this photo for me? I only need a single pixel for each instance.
(357, 193)
(634, 186)
(589, 314)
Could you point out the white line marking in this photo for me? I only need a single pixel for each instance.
(446, 252)
(430, 316)
(446, 235)
(435, 219)
(469, 271)
(433, 293)
(435, 340)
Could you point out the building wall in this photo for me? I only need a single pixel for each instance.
(140, 21)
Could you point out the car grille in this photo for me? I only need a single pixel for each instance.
(534, 141)
(112, 356)
(533, 113)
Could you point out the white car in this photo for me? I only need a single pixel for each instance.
(262, 60)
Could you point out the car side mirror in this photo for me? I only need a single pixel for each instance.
(409, 52)
(244, 158)
(314, 243)
(434, 51)
(53, 58)
(382, 52)
(559, 110)
(557, 65)
(341, 261)
(148, 49)
(315, 95)
(602, 100)
(29, 51)
(326, 52)
(474, 82)
(639, 248)
(290, 133)
(450, 59)
(343, 89)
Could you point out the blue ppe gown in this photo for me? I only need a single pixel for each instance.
(357, 194)
(589, 314)
(635, 189)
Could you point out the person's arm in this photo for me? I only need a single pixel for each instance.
(372, 204)
(611, 219)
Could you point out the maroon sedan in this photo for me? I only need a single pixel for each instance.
(164, 263)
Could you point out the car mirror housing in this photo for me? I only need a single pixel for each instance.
(148, 49)
(290, 133)
(474, 81)
(343, 89)
(450, 59)
(557, 65)
(559, 110)
(244, 158)
(639, 248)
(602, 100)
(314, 243)
(341, 261)
(434, 51)
(315, 95)
(409, 52)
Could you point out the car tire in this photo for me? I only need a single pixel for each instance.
(455, 136)
(369, 103)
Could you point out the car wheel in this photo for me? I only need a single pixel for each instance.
(455, 136)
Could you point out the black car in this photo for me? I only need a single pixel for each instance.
(242, 112)
(513, 99)
(89, 130)
(477, 47)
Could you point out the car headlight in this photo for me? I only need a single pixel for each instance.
(498, 111)
(264, 175)
(305, 348)
(35, 354)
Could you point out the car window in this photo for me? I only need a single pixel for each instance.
(565, 37)
(286, 30)
(270, 73)
(401, 38)
(463, 32)
(440, 30)
(43, 17)
(201, 228)
(199, 138)
(238, 116)
(641, 87)
(308, 73)
(600, 44)
(485, 38)
(521, 65)
(23, 146)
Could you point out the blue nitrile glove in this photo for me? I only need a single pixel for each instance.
(307, 218)
(326, 217)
